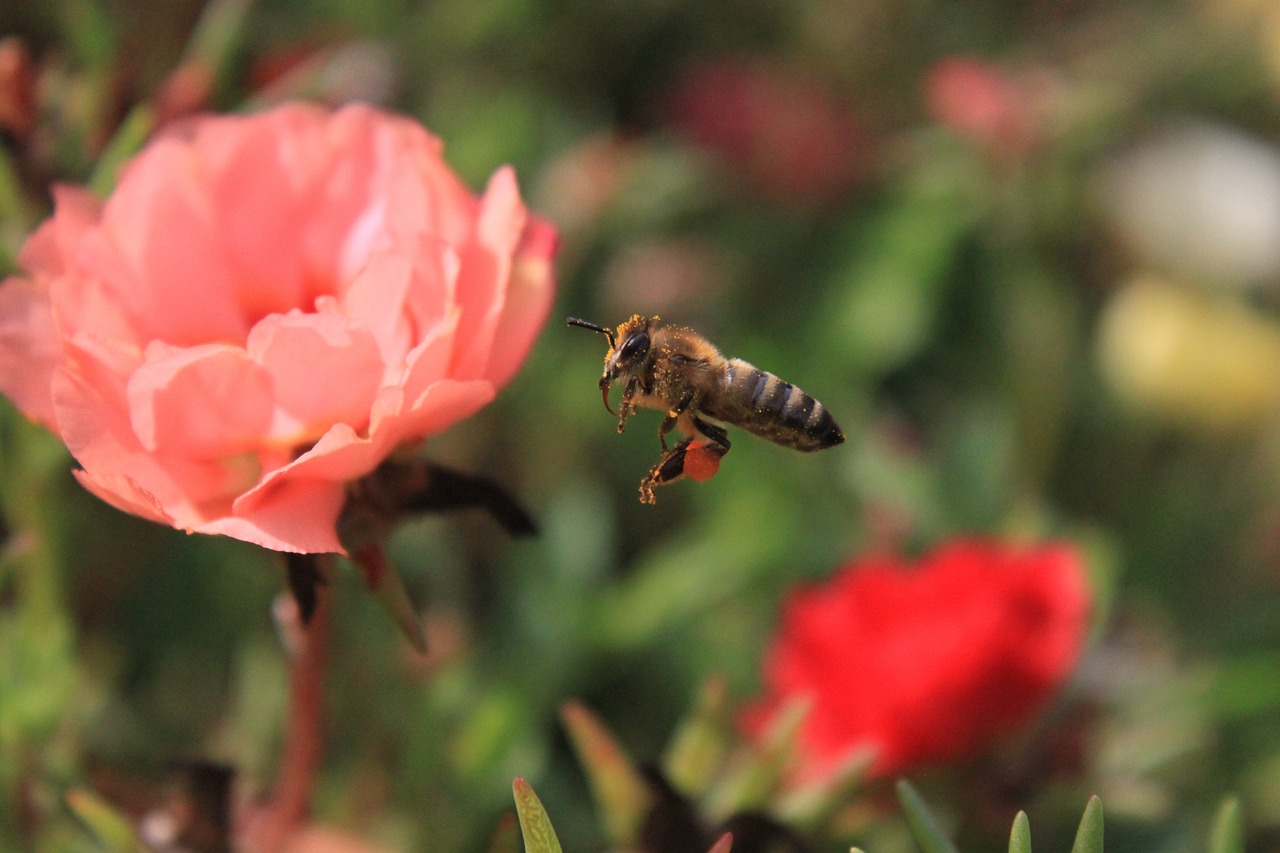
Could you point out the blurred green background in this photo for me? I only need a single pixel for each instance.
(1028, 253)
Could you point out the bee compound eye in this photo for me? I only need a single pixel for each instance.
(634, 346)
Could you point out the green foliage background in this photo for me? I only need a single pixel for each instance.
(945, 307)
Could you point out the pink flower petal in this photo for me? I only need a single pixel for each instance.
(162, 219)
(205, 401)
(29, 348)
(295, 514)
(122, 472)
(325, 370)
(52, 248)
(341, 454)
(267, 172)
(443, 404)
(485, 271)
(530, 293)
(428, 362)
(124, 494)
(402, 296)
(295, 506)
(97, 335)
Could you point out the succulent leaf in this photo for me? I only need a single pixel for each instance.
(384, 582)
(1089, 835)
(810, 806)
(751, 783)
(698, 748)
(1227, 834)
(920, 820)
(620, 792)
(535, 826)
(111, 829)
(1020, 836)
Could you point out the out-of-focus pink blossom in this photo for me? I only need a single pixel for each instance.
(984, 102)
(785, 130)
(263, 310)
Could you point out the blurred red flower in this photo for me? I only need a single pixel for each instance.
(925, 663)
(784, 129)
(265, 308)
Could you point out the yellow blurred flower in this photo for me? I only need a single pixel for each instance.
(1188, 358)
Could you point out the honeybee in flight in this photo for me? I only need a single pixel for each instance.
(677, 371)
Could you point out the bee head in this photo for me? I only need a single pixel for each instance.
(628, 347)
(629, 351)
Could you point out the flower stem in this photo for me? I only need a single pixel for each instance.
(308, 646)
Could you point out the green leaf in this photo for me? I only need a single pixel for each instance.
(698, 749)
(620, 792)
(1020, 836)
(1227, 835)
(129, 137)
(89, 33)
(750, 784)
(923, 825)
(1245, 687)
(16, 214)
(217, 32)
(111, 829)
(811, 806)
(889, 283)
(535, 826)
(1089, 835)
(383, 581)
(739, 543)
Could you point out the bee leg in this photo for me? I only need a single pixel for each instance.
(717, 434)
(668, 470)
(626, 408)
(673, 414)
(671, 467)
(665, 427)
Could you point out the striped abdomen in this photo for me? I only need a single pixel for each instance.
(764, 405)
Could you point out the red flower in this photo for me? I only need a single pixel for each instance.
(925, 665)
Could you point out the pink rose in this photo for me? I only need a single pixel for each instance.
(263, 310)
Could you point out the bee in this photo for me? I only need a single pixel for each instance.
(677, 371)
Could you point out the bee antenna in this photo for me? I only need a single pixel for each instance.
(608, 333)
